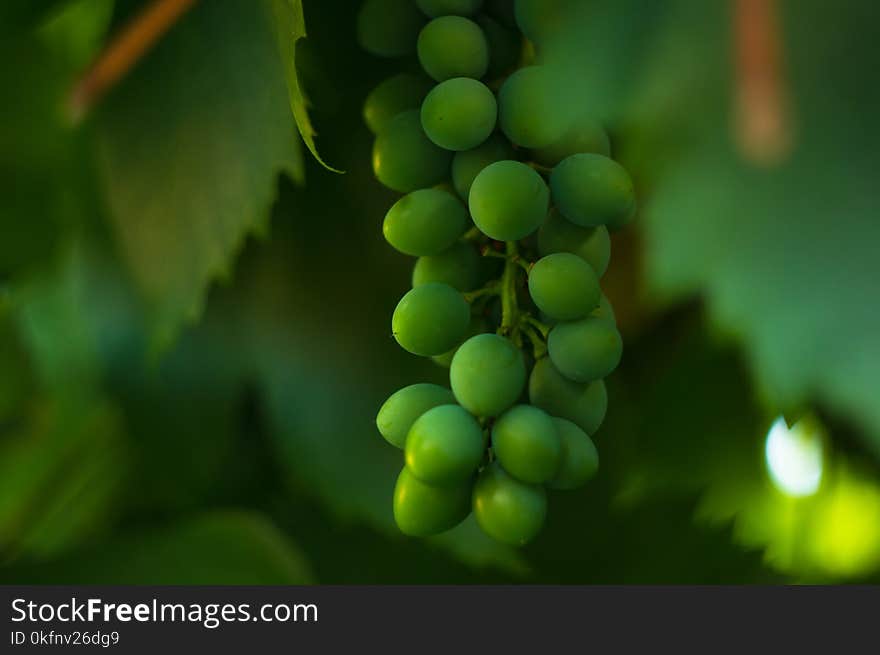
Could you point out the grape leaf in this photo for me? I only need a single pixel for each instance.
(219, 547)
(290, 27)
(189, 149)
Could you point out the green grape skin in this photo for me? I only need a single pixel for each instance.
(389, 28)
(526, 444)
(405, 159)
(444, 445)
(579, 459)
(508, 200)
(467, 164)
(458, 266)
(540, 20)
(590, 190)
(425, 222)
(459, 114)
(592, 244)
(453, 46)
(506, 509)
(478, 325)
(404, 406)
(585, 135)
(393, 96)
(435, 8)
(430, 319)
(505, 46)
(604, 310)
(422, 510)
(532, 110)
(564, 286)
(487, 374)
(582, 404)
(585, 350)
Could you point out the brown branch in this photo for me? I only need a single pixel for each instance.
(763, 119)
(123, 52)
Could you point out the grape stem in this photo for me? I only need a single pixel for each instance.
(488, 290)
(543, 328)
(509, 307)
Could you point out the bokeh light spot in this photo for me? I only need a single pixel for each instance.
(794, 457)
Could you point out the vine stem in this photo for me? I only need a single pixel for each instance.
(509, 307)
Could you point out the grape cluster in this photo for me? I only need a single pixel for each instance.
(508, 195)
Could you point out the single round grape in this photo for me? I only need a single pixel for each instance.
(584, 135)
(466, 165)
(579, 460)
(422, 510)
(404, 406)
(592, 244)
(452, 46)
(425, 222)
(540, 20)
(394, 96)
(487, 375)
(526, 444)
(508, 510)
(564, 286)
(444, 445)
(458, 266)
(478, 325)
(434, 8)
(532, 110)
(389, 28)
(590, 189)
(508, 200)
(405, 159)
(459, 114)
(604, 310)
(430, 319)
(505, 46)
(582, 404)
(585, 350)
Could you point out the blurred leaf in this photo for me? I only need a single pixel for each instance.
(290, 27)
(221, 547)
(16, 15)
(190, 145)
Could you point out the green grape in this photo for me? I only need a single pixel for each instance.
(506, 509)
(404, 406)
(592, 244)
(422, 510)
(590, 189)
(582, 404)
(584, 135)
(487, 374)
(434, 8)
(604, 310)
(457, 266)
(444, 445)
(466, 165)
(452, 46)
(459, 114)
(540, 20)
(564, 286)
(508, 200)
(532, 109)
(405, 159)
(505, 46)
(478, 325)
(430, 319)
(425, 222)
(389, 28)
(584, 350)
(394, 96)
(525, 442)
(579, 461)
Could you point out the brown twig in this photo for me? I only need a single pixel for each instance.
(763, 119)
(123, 52)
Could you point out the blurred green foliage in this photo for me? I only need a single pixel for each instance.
(158, 425)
